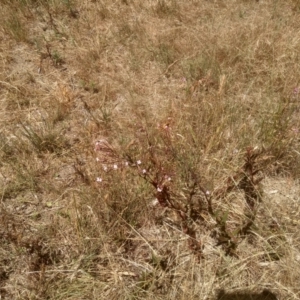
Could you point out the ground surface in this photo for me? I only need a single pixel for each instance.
(195, 107)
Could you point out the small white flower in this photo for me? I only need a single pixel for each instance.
(138, 162)
(97, 159)
(144, 171)
(126, 163)
(159, 189)
(207, 193)
(115, 166)
(105, 168)
(169, 179)
(154, 202)
(97, 146)
(99, 179)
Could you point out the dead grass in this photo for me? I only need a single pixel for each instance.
(195, 190)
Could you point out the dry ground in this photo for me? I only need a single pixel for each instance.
(193, 190)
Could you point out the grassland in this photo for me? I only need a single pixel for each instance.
(149, 149)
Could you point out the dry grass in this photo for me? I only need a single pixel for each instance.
(195, 190)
